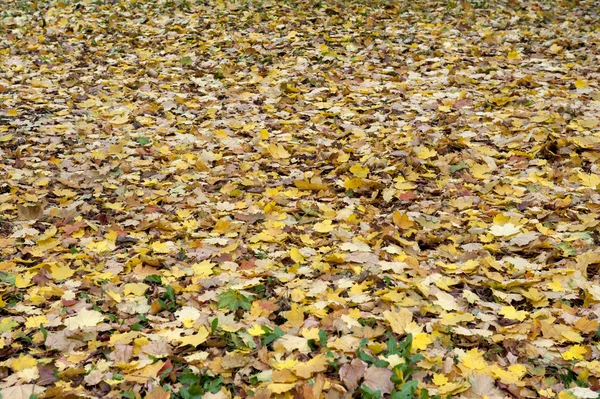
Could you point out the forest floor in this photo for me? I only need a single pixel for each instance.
(299, 199)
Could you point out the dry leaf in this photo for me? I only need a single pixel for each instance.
(351, 373)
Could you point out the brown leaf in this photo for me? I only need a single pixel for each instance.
(24, 391)
(122, 353)
(158, 393)
(262, 393)
(379, 379)
(351, 373)
(47, 376)
(319, 383)
(30, 211)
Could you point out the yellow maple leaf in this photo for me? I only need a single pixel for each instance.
(359, 171)
(504, 230)
(510, 312)
(90, 102)
(195, 339)
(590, 180)
(264, 134)
(581, 84)
(556, 286)
(294, 316)
(296, 255)
(399, 320)
(324, 227)
(61, 272)
(352, 184)
(85, 318)
(160, 247)
(510, 375)
(114, 295)
(12, 112)
(451, 319)
(256, 331)
(277, 387)
(446, 301)
(35, 321)
(203, 269)
(120, 120)
(313, 333)
(513, 55)
(286, 364)
(115, 206)
(188, 316)
(480, 171)
(222, 226)
(23, 281)
(566, 395)
(7, 324)
(235, 124)
(589, 123)
(144, 374)
(136, 289)
(421, 341)
(439, 379)
(548, 393)
(343, 157)
(100, 246)
(555, 48)
(23, 362)
(453, 388)
(576, 352)
(5, 138)
(425, 153)
(473, 360)
(571, 335)
(314, 365)
(278, 151)
(402, 220)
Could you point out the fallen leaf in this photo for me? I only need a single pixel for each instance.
(379, 379)
(85, 318)
(351, 373)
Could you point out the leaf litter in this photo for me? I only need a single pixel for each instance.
(299, 199)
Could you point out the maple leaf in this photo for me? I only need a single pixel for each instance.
(85, 318)
(307, 369)
(378, 379)
(234, 300)
(194, 339)
(576, 352)
(473, 360)
(351, 373)
(151, 183)
(505, 230)
(61, 272)
(23, 362)
(399, 320)
(158, 393)
(22, 391)
(511, 313)
(324, 227)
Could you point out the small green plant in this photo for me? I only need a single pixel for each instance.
(404, 386)
(271, 335)
(141, 324)
(154, 279)
(195, 386)
(143, 140)
(167, 300)
(233, 300)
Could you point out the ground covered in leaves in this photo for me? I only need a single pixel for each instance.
(299, 199)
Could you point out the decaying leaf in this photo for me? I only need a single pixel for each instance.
(308, 199)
